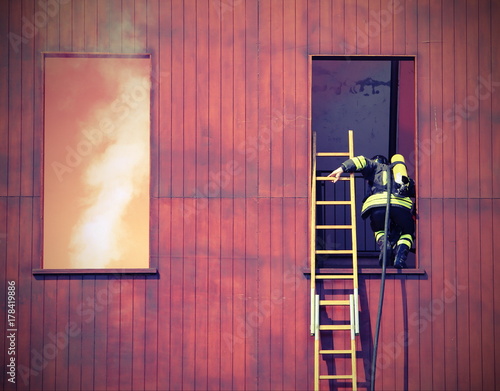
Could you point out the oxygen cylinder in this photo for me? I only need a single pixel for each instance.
(399, 169)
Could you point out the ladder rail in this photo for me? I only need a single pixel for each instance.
(316, 328)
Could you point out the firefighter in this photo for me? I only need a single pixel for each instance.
(401, 220)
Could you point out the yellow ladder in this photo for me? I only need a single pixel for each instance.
(318, 329)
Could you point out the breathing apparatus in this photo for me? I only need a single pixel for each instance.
(401, 179)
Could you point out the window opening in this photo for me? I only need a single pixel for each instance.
(96, 173)
(375, 97)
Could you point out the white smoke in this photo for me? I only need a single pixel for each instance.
(117, 172)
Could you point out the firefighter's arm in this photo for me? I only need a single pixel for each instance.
(355, 164)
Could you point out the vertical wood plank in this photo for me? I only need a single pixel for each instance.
(436, 306)
(495, 275)
(164, 84)
(303, 136)
(24, 282)
(276, 294)
(457, 115)
(289, 113)
(127, 24)
(27, 96)
(217, 335)
(289, 295)
(338, 20)
(277, 123)
(386, 22)
(225, 177)
(424, 108)
(248, 148)
(189, 300)
(400, 30)
(177, 91)
(151, 297)
(252, 292)
(325, 27)
(124, 325)
(103, 26)
(352, 40)
(113, 331)
(114, 26)
(240, 295)
(482, 97)
(6, 46)
(471, 103)
(140, 10)
(62, 319)
(201, 298)
(75, 345)
(474, 239)
(239, 126)
(463, 306)
(203, 181)
(99, 311)
(91, 26)
(30, 373)
(14, 103)
(425, 297)
(167, 292)
(139, 331)
(264, 329)
(493, 85)
(264, 124)
(436, 95)
(370, 39)
(189, 98)
(88, 331)
(450, 293)
(487, 299)
(303, 361)
(231, 340)
(448, 81)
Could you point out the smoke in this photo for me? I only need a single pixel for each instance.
(115, 181)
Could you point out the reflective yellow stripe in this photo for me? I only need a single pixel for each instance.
(359, 162)
(405, 239)
(378, 235)
(380, 199)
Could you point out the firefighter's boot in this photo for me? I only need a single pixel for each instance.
(380, 243)
(402, 250)
(401, 255)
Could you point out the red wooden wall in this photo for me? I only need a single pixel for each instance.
(229, 308)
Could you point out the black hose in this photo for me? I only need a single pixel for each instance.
(382, 280)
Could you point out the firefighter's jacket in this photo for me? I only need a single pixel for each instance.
(376, 175)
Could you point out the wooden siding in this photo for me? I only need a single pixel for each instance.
(229, 307)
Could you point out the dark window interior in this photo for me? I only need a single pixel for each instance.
(375, 97)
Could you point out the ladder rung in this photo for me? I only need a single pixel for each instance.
(334, 226)
(329, 377)
(335, 352)
(334, 302)
(335, 277)
(334, 202)
(333, 154)
(334, 251)
(335, 327)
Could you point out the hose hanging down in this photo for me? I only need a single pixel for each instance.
(382, 280)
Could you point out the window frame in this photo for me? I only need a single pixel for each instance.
(414, 156)
(152, 260)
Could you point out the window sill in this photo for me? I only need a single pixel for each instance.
(94, 271)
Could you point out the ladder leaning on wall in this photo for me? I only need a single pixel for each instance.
(318, 303)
